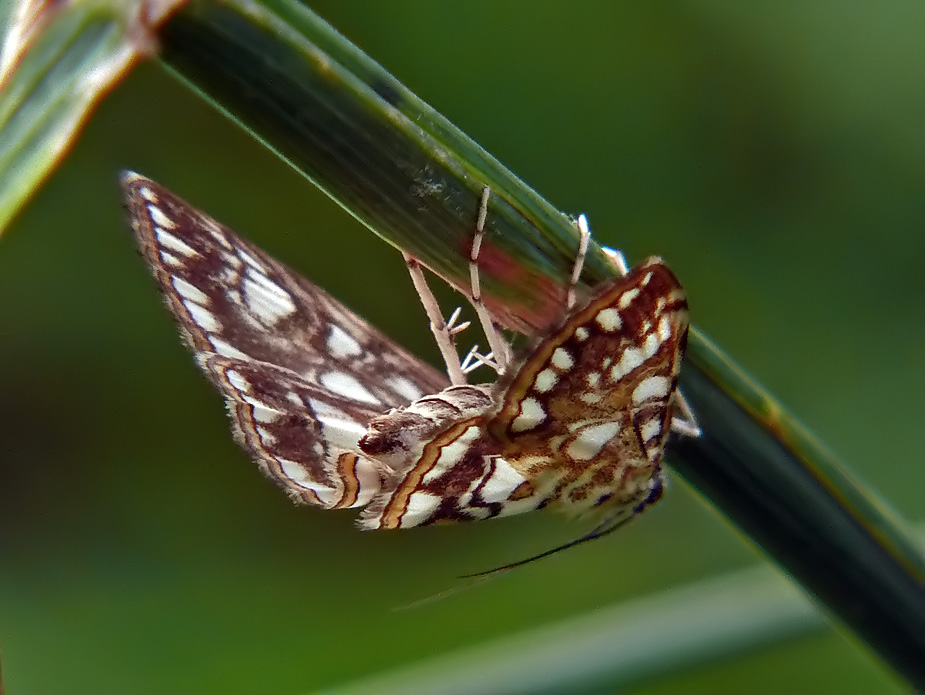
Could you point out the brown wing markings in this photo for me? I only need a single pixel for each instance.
(396, 504)
(662, 283)
(215, 265)
(306, 451)
(347, 469)
(648, 295)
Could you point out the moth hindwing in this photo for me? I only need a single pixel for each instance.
(340, 416)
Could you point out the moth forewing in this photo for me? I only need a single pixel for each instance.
(303, 376)
(580, 424)
(592, 404)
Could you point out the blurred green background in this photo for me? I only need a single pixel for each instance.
(774, 153)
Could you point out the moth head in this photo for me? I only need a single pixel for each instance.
(393, 437)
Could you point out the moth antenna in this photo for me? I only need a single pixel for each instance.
(446, 593)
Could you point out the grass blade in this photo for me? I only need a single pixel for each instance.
(58, 60)
(411, 177)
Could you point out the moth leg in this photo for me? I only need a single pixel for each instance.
(583, 240)
(500, 350)
(683, 420)
(617, 260)
(474, 359)
(445, 332)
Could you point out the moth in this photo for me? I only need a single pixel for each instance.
(338, 415)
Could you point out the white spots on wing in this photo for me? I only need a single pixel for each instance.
(348, 386)
(341, 344)
(189, 291)
(645, 280)
(148, 194)
(591, 440)
(265, 299)
(228, 279)
(545, 380)
(338, 428)
(233, 295)
(219, 236)
(267, 438)
(501, 482)
(294, 398)
(593, 379)
(609, 320)
(653, 387)
(591, 398)
(168, 241)
(531, 414)
(650, 345)
(159, 217)
(452, 453)
(299, 475)
(655, 335)
(368, 481)
(253, 402)
(632, 358)
(664, 329)
(266, 415)
(562, 359)
(627, 297)
(202, 317)
(255, 278)
(652, 428)
(231, 260)
(582, 333)
(238, 382)
(421, 506)
(171, 260)
(404, 387)
(196, 301)
(226, 349)
(251, 261)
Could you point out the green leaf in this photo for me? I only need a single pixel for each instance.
(57, 64)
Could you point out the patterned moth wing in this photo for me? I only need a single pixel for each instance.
(302, 375)
(581, 425)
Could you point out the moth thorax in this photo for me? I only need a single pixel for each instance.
(397, 439)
